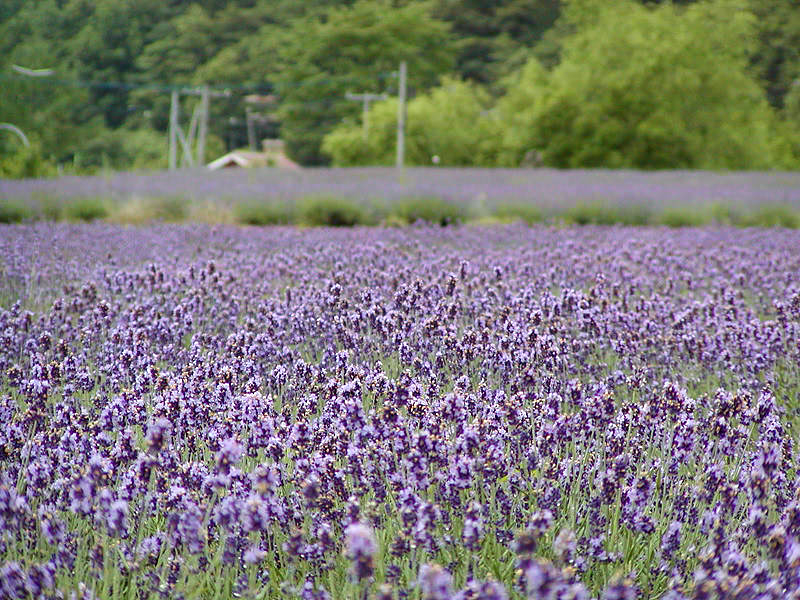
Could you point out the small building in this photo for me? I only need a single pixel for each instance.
(272, 155)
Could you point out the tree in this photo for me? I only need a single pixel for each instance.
(108, 47)
(25, 162)
(50, 113)
(351, 49)
(776, 60)
(647, 88)
(450, 122)
(491, 35)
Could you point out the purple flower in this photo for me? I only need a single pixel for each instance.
(473, 526)
(671, 540)
(53, 529)
(485, 590)
(80, 496)
(229, 455)
(12, 580)
(186, 528)
(253, 555)
(434, 582)
(40, 578)
(255, 514)
(621, 590)
(150, 547)
(117, 519)
(564, 545)
(360, 547)
(540, 522)
(158, 434)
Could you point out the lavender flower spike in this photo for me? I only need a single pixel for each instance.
(360, 547)
(435, 582)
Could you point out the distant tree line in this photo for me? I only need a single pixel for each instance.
(579, 83)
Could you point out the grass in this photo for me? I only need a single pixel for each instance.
(90, 208)
(48, 207)
(330, 211)
(338, 211)
(13, 211)
(519, 211)
(430, 209)
(255, 212)
(774, 215)
(139, 210)
(684, 216)
(606, 213)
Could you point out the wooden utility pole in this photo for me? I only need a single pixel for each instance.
(366, 99)
(401, 116)
(254, 118)
(201, 136)
(173, 131)
(251, 129)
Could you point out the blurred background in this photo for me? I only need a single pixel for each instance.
(88, 86)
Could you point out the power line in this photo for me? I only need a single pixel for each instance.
(14, 129)
(366, 99)
(198, 126)
(44, 76)
(33, 72)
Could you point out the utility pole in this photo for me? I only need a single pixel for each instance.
(253, 118)
(198, 126)
(366, 99)
(201, 138)
(173, 131)
(401, 117)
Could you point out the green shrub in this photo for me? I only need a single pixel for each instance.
(450, 122)
(431, 209)
(13, 211)
(138, 210)
(47, 207)
(89, 208)
(26, 162)
(527, 213)
(330, 211)
(724, 214)
(210, 211)
(172, 209)
(263, 213)
(773, 215)
(634, 214)
(597, 107)
(684, 216)
(594, 213)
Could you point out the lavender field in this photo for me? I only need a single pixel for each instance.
(481, 413)
(547, 188)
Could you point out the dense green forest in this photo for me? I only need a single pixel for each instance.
(576, 83)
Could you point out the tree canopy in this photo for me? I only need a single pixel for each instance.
(634, 83)
(356, 48)
(450, 122)
(647, 88)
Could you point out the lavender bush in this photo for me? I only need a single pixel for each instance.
(471, 413)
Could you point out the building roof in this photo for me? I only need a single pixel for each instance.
(247, 159)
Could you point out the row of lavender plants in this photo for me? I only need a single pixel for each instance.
(548, 188)
(435, 413)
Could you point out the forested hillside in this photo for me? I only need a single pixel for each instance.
(582, 83)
